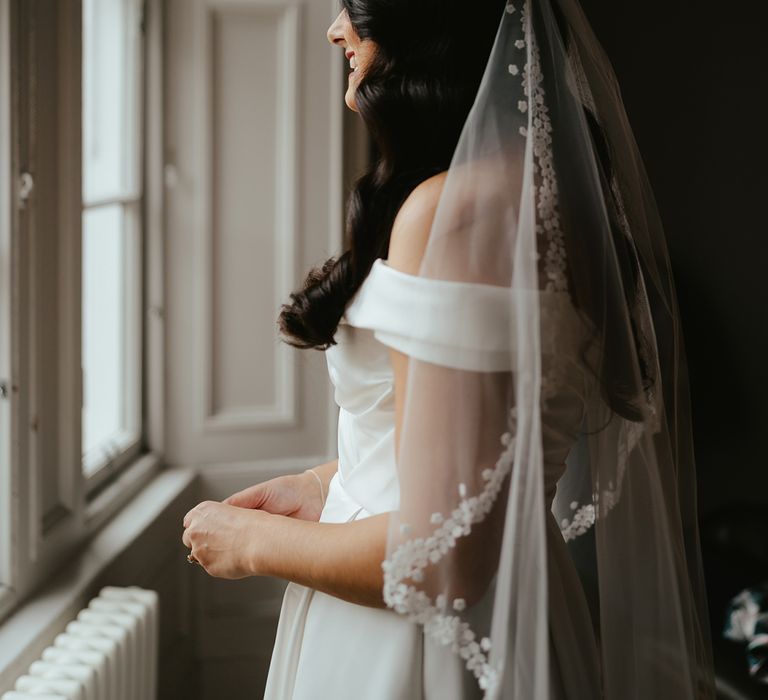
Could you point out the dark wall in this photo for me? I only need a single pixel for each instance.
(694, 77)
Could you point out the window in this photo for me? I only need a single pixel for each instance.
(111, 242)
(71, 277)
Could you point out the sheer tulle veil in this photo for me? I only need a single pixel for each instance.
(547, 528)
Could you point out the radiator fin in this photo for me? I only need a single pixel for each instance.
(108, 652)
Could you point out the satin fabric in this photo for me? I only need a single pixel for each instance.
(326, 647)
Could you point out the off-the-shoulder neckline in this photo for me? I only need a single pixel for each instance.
(383, 264)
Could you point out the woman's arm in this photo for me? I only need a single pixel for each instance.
(340, 559)
(446, 395)
(326, 472)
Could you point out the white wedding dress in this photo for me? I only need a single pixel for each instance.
(329, 648)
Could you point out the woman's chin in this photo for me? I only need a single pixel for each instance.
(349, 98)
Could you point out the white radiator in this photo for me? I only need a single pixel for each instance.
(109, 652)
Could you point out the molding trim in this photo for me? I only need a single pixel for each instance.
(154, 227)
(219, 477)
(283, 411)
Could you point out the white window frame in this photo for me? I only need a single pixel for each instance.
(6, 370)
(35, 544)
(127, 447)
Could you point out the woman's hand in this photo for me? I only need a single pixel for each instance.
(226, 540)
(340, 559)
(296, 496)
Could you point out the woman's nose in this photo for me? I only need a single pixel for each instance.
(336, 30)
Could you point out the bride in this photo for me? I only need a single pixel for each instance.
(512, 513)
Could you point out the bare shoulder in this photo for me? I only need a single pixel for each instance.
(413, 223)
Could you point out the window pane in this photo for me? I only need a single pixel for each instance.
(111, 230)
(110, 98)
(104, 305)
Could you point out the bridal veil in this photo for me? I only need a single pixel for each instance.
(547, 529)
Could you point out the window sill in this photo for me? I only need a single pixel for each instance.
(125, 487)
(151, 491)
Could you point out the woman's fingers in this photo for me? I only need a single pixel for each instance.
(252, 497)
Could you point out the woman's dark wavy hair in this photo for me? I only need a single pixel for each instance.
(414, 99)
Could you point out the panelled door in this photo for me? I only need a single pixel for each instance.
(253, 184)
